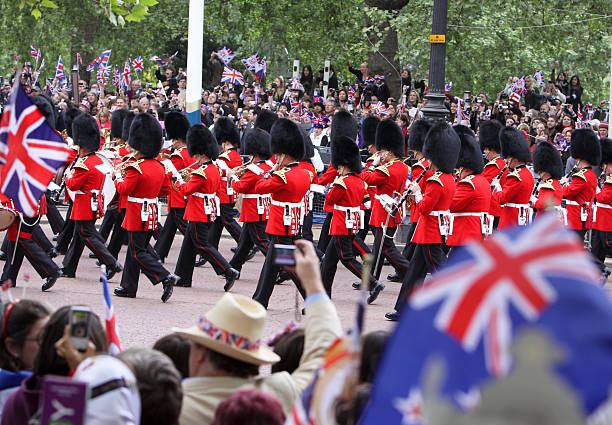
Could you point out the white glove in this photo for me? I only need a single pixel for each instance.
(418, 197)
(414, 188)
(533, 199)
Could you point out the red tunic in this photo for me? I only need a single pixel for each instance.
(389, 180)
(308, 198)
(580, 192)
(602, 217)
(344, 197)
(326, 178)
(473, 195)
(514, 196)
(549, 195)
(201, 190)
(492, 170)
(180, 159)
(144, 182)
(287, 188)
(255, 207)
(437, 196)
(226, 161)
(85, 179)
(417, 170)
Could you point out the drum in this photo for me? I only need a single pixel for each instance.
(7, 217)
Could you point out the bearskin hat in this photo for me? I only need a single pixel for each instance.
(71, 115)
(308, 146)
(127, 125)
(117, 118)
(265, 119)
(390, 137)
(145, 135)
(343, 124)
(416, 136)
(470, 155)
(45, 107)
(86, 133)
(344, 151)
(585, 146)
(546, 158)
(606, 150)
(256, 142)
(176, 125)
(488, 135)
(514, 144)
(226, 131)
(368, 130)
(201, 141)
(441, 147)
(286, 138)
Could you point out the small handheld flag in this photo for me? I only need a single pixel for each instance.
(59, 71)
(163, 62)
(448, 87)
(112, 333)
(251, 62)
(138, 64)
(232, 76)
(225, 55)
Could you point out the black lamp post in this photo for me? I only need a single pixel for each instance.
(435, 109)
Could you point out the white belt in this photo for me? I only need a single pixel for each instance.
(287, 204)
(346, 209)
(253, 196)
(467, 214)
(438, 213)
(513, 205)
(317, 188)
(572, 203)
(350, 218)
(597, 205)
(524, 212)
(142, 200)
(444, 221)
(93, 192)
(224, 178)
(204, 195)
(481, 215)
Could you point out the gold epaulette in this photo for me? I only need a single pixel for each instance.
(548, 184)
(340, 182)
(177, 152)
(580, 173)
(224, 156)
(468, 180)
(135, 165)
(281, 174)
(81, 164)
(370, 159)
(200, 171)
(493, 162)
(516, 174)
(436, 178)
(383, 169)
(311, 175)
(419, 163)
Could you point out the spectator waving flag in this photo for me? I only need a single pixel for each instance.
(232, 76)
(260, 69)
(525, 298)
(112, 334)
(448, 87)
(138, 64)
(251, 62)
(101, 60)
(34, 52)
(31, 152)
(59, 71)
(127, 75)
(225, 55)
(163, 62)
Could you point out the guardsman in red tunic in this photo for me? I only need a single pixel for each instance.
(388, 174)
(441, 147)
(344, 199)
(601, 239)
(145, 180)
(287, 185)
(202, 209)
(177, 126)
(548, 165)
(255, 206)
(579, 193)
(488, 136)
(86, 181)
(306, 164)
(470, 206)
(515, 193)
(228, 137)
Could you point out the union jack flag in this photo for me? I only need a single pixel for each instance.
(320, 121)
(34, 52)
(112, 333)
(100, 76)
(126, 77)
(225, 54)
(101, 60)
(317, 99)
(138, 64)
(518, 86)
(251, 62)
(232, 76)
(116, 77)
(469, 314)
(380, 108)
(30, 152)
(260, 69)
(163, 62)
(448, 87)
(579, 119)
(59, 71)
(351, 94)
(296, 107)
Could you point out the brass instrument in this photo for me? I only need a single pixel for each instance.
(240, 170)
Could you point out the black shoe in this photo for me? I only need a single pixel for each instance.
(230, 277)
(234, 249)
(122, 292)
(251, 254)
(394, 277)
(356, 285)
(168, 284)
(282, 276)
(392, 316)
(92, 255)
(113, 271)
(49, 283)
(182, 284)
(374, 292)
(67, 275)
(2, 256)
(386, 262)
(52, 253)
(200, 262)
(55, 238)
(98, 263)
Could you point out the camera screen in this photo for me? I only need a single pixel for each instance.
(283, 255)
(79, 324)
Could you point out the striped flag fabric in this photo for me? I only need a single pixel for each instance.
(138, 64)
(127, 74)
(230, 75)
(112, 334)
(163, 62)
(59, 71)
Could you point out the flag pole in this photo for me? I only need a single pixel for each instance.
(194, 61)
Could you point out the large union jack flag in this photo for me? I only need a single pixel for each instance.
(230, 75)
(138, 64)
(470, 313)
(30, 152)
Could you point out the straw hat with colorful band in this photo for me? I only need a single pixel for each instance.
(233, 327)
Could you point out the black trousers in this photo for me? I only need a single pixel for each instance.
(44, 266)
(110, 216)
(225, 219)
(119, 235)
(56, 221)
(268, 274)
(85, 234)
(197, 241)
(174, 221)
(366, 225)
(340, 248)
(601, 244)
(408, 251)
(426, 258)
(141, 257)
(389, 250)
(38, 236)
(65, 236)
(325, 237)
(307, 227)
(253, 234)
(359, 247)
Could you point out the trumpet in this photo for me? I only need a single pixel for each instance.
(240, 170)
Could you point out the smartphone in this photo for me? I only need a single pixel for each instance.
(284, 255)
(79, 326)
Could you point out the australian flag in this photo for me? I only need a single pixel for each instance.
(470, 318)
(30, 152)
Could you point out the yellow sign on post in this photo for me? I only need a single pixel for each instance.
(437, 38)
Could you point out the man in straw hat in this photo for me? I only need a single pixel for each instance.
(226, 347)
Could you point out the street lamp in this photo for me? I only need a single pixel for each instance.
(435, 109)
